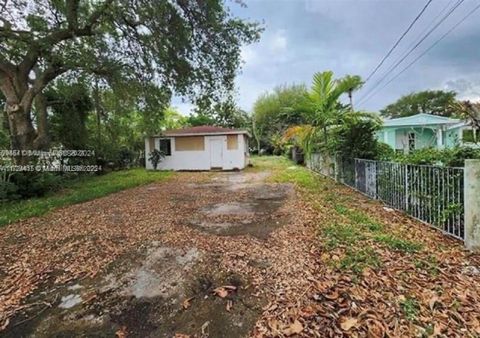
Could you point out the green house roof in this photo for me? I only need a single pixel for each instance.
(420, 120)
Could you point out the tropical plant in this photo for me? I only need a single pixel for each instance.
(155, 157)
(355, 136)
(354, 82)
(321, 106)
(471, 112)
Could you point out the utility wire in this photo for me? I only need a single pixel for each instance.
(424, 52)
(399, 40)
(391, 69)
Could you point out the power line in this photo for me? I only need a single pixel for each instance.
(399, 40)
(392, 68)
(424, 52)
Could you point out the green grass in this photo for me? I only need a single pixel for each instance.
(285, 171)
(410, 308)
(341, 234)
(358, 260)
(398, 244)
(77, 191)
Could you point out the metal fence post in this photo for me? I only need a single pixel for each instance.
(472, 204)
(336, 170)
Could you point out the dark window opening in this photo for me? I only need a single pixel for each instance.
(166, 147)
(411, 141)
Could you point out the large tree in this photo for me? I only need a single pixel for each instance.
(144, 48)
(274, 112)
(436, 102)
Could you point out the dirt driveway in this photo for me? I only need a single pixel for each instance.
(202, 254)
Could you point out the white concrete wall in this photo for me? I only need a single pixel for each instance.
(200, 160)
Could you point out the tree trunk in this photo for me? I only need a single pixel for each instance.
(22, 133)
(42, 140)
(350, 96)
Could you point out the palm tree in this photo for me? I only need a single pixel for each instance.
(322, 107)
(353, 83)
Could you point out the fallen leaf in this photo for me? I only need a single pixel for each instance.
(122, 332)
(229, 305)
(348, 323)
(204, 327)
(294, 328)
(432, 302)
(181, 335)
(220, 292)
(187, 302)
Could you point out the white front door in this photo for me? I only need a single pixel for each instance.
(216, 153)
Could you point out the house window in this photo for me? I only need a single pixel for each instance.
(166, 146)
(411, 141)
(232, 142)
(190, 143)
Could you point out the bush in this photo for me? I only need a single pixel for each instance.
(384, 152)
(460, 154)
(448, 157)
(32, 184)
(8, 191)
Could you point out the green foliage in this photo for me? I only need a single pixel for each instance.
(398, 244)
(82, 189)
(341, 234)
(355, 136)
(358, 260)
(384, 152)
(141, 51)
(436, 102)
(36, 184)
(471, 136)
(155, 157)
(199, 119)
(275, 112)
(225, 114)
(450, 157)
(173, 119)
(410, 308)
(323, 111)
(70, 105)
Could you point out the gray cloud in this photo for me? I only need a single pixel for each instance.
(351, 37)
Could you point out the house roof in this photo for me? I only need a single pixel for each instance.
(202, 130)
(420, 120)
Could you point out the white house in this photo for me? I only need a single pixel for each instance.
(200, 148)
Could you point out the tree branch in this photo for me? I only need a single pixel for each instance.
(43, 45)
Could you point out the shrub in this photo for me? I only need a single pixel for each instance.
(8, 191)
(155, 157)
(384, 152)
(33, 184)
(449, 157)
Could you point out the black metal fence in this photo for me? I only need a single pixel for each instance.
(431, 194)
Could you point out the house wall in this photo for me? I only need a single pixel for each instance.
(201, 159)
(397, 138)
(453, 137)
(387, 135)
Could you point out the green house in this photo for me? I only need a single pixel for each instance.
(419, 131)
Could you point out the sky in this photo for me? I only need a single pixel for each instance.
(302, 37)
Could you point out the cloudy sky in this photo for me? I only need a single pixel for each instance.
(351, 37)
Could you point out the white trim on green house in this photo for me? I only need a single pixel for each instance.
(419, 131)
